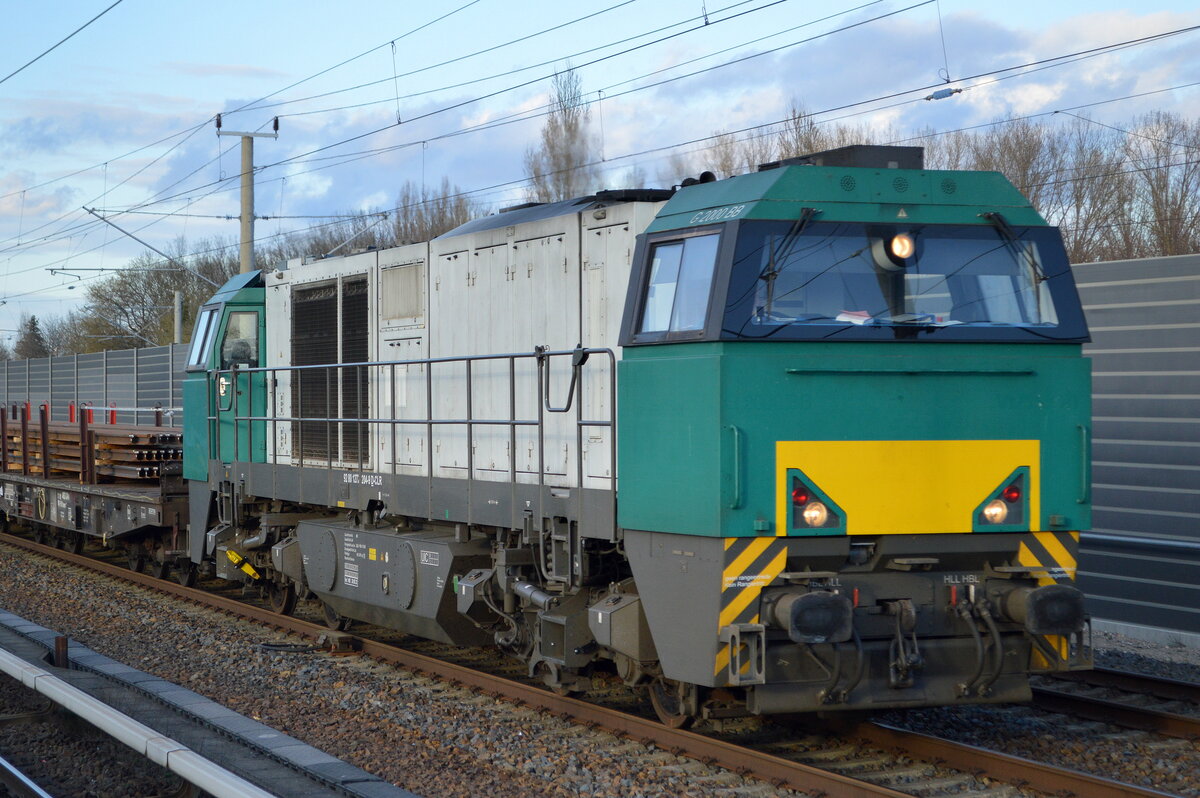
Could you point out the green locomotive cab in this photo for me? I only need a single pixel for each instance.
(219, 394)
(854, 439)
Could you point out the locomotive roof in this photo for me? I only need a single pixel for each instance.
(850, 194)
(535, 212)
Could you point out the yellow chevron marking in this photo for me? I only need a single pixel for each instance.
(722, 660)
(729, 542)
(1074, 536)
(1057, 642)
(751, 591)
(743, 561)
(748, 588)
(1058, 551)
(1025, 557)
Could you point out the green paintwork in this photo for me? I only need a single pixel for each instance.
(849, 195)
(677, 465)
(200, 391)
(195, 426)
(240, 441)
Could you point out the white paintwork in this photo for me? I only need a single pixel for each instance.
(554, 282)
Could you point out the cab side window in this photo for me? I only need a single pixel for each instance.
(681, 274)
(197, 355)
(240, 345)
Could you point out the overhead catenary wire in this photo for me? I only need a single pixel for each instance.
(57, 44)
(827, 110)
(1045, 62)
(509, 184)
(200, 126)
(251, 105)
(576, 54)
(222, 178)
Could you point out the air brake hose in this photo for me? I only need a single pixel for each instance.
(859, 667)
(997, 653)
(964, 688)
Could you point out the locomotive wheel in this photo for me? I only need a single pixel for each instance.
(282, 598)
(334, 621)
(160, 570)
(39, 534)
(666, 696)
(185, 574)
(136, 561)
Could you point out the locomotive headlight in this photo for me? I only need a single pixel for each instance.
(815, 514)
(902, 246)
(995, 512)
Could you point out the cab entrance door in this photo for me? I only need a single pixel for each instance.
(239, 394)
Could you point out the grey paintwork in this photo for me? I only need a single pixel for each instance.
(1141, 561)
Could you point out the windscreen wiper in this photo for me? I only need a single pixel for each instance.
(772, 270)
(1010, 237)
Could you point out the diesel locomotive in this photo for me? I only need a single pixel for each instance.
(813, 438)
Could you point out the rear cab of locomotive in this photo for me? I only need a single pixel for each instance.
(854, 438)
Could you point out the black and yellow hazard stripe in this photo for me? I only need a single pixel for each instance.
(1053, 554)
(750, 564)
(1056, 556)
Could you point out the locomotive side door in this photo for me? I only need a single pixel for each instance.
(238, 394)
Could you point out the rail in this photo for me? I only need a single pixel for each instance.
(777, 770)
(236, 392)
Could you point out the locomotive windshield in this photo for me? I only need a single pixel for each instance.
(860, 281)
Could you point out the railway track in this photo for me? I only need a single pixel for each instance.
(771, 762)
(1149, 703)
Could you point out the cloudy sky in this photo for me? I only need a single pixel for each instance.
(120, 116)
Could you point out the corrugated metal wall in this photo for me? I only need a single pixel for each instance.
(134, 380)
(1140, 563)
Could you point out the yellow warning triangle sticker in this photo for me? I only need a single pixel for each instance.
(902, 214)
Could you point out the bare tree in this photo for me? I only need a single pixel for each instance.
(730, 155)
(802, 134)
(64, 334)
(723, 157)
(678, 166)
(134, 306)
(563, 165)
(423, 213)
(1161, 147)
(1091, 198)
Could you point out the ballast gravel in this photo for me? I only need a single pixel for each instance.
(418, 733)
(1168, 764)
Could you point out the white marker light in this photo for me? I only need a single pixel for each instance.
(995, 512)
(902, 246)
(815, 514)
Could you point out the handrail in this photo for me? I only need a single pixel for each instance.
(335, 450)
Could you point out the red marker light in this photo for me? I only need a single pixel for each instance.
(855, 597)
(1012, 493)
(799, 496)
(953, 595)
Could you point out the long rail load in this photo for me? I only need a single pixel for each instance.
(812, 438)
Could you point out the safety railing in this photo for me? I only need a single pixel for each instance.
(343, 384)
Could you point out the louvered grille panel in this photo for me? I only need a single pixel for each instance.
(314, 342)
(355, 349)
